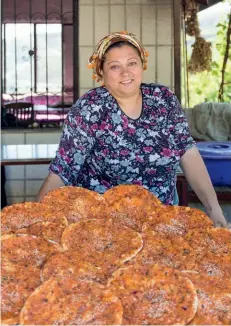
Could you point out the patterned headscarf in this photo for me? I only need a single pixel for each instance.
(95, 61)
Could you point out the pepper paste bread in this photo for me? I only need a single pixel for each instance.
(214, 299)
(77, 203)
(102, 241)
(70, 263)
(177, 220)
(34, 219)
(18, 281)
(171, 252)
(27, 249)
(213, 264)
(153, 295)
(131, 204)
(67, 301)
(214, 240)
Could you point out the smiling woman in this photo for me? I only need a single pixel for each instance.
(128, 132)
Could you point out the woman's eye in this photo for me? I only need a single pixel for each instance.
(114, 67)
(133, 63)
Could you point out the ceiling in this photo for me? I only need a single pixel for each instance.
(206, 3)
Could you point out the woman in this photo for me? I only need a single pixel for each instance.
(127, 132)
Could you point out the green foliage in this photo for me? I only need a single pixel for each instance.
(204, 86)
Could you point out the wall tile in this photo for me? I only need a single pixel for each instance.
(12, 139)
(86, 25)
(32, 187)
(14, 172)
(148, 25)
(83, 91)
(150, 73)
(173, 67)
(31, 198)
(164, 24)
(132, 2)
(14, 200)
(163, 1)
(116, 2)
(101, 22)
(37, 171)
(85, 2)
(102, 2)
(117, 23)
(14, 188)
(133, 19)
(85, 74)
(43, 138)
(164, 65)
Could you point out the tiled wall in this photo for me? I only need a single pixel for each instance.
(150, 20)
(23, 182)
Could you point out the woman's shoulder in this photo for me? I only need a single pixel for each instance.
(156, 89)
(91, 101)
(97, 94)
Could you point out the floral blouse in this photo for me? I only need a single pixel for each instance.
(102, 147)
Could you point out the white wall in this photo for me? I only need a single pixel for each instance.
(150, 20)
(24, 181)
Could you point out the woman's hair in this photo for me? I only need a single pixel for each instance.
(114, 40)
(119, 44)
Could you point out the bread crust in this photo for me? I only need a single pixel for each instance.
(18, 281)
(67, 301)
(102, 241)
(152, 295)
(33, 219)
(214, 299)
(177, 220)
(131, 204)
(77, 203)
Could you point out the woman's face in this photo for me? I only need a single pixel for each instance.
(122, 71)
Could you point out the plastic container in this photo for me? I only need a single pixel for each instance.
(217, 158)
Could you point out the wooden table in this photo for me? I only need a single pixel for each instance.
(44, 153)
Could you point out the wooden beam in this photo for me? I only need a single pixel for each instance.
(177, 14)
(76, 48)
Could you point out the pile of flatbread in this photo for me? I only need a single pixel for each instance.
(122, 258)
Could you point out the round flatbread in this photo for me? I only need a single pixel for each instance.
(10, 321)
(77, 203)
(102, 241)
(173, 252)
(213, 264)
(214, 240)
(28, 250)
(131, 204)
(214, 299)
(34, 219)
(18, 281)
(177, 220)
(70, 263)
(153, 295)
(67, 301)
(47, 230)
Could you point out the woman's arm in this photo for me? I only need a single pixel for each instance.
(197, 175)
(53, 181)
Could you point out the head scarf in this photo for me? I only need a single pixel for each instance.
(95, 60)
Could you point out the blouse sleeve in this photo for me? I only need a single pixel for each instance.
(76, 142)
(177, 125)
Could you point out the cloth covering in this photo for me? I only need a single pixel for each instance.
(210, 121)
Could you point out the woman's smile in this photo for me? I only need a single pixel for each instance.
(129, 81)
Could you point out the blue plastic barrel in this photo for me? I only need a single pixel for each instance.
(217, 158)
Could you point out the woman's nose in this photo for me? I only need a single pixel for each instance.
(124, 70)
